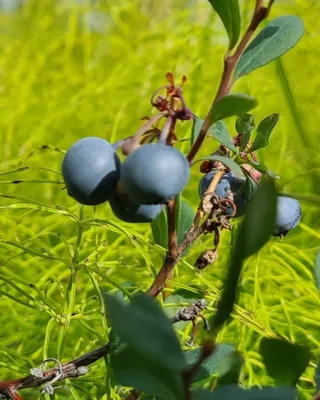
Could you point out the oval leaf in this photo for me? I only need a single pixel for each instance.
(278, 37)
(159, 227)
(211, 364)
(245, 125)
(258, 222)
(229, 13)
(285, 362)
(264, 131)
(133, 369)
(254, 232)
(144, 327)
(232, 104)
(218, 131)
(184, 220)
(227, 162)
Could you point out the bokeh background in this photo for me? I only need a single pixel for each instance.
(70, 69)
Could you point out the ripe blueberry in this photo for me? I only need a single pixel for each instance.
(229, 183)
(153, 173)
(91, 170)
(288, 215)
(128, 211)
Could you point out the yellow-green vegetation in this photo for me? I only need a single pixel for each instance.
(65, 75)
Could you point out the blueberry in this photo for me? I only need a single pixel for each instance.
(154, 173)
(91, 170)
(229, 183)
(288, 215)
(128, 211)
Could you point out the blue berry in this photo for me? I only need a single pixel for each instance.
(91, 170)
(128, 211)
(229, 183)
(154, 173)
(288, 215)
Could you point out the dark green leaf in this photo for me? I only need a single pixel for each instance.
(133, 369)
(317, 377)
(159, 228)
(258, 222)
(233, 392)
(279, 36)
(317, 270)
(254, 232)
(229, 13)
(211, 364)
(232, 104)
(143, 326)
(264, 131)
(250, 188)
(196, 126)
(218, 131)
(229, 368)
(184, 220)
(236, 169)
(285, 362)
(245, 125)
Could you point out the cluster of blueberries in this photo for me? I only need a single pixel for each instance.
(138, 187)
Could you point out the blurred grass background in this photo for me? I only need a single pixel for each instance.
(70, 69)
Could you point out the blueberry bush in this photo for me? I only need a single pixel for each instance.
(159, 201)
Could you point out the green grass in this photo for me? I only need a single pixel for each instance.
(58, 83)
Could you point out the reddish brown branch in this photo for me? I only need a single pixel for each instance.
(230, 63)
(69, 370)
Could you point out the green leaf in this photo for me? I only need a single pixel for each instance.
(184, 220)
(232, 104)
(144, 327)
(218, 131)
(278, 37)
(250, 188)
(317, 377)
(159, 227)
(245, 125)
(264, 131)
(317, 270)
(133, 369)
(258, 222)
(285, 362)
(210, 366)
(229, 13)
(233, 392)
(257, 226)
(229, 368)
(236, 169)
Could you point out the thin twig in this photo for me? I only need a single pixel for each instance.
(69, 370)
